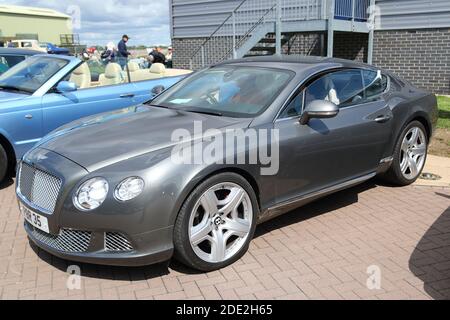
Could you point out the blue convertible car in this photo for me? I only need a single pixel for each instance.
(45, 92)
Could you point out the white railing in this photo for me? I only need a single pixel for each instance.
(249, 18)
(245, 20)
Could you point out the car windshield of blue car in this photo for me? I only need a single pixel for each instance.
(31, 74)
(226, 90)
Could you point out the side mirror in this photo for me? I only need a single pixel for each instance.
(66, 86)
(319, 109)
(158, 89)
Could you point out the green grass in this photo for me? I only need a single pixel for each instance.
(444, 112)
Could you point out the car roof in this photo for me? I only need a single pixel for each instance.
(19, 51)
(297, 62)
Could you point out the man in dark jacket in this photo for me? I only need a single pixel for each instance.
(122, 51)
(156, 56)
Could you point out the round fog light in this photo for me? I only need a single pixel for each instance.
(129, 189)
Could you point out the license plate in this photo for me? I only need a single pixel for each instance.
(36, 220)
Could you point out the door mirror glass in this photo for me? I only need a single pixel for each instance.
(66, 86)
(319, 109)
(157, 90)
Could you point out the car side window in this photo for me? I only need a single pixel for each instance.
(375, 84)
(295, 107)
(343, 88)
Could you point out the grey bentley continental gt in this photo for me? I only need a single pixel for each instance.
(191, 173)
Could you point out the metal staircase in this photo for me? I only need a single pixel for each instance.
(262, 27)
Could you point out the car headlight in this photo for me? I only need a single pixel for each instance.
(91, 194)
(129, 189)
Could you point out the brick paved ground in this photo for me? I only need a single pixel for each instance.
(321, 251)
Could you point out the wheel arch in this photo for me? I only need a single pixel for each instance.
(423, 119)
(208, 173)
(6, 144)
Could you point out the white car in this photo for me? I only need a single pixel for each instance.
(30, 44)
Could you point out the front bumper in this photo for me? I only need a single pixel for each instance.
(126, 234)
(153, 249)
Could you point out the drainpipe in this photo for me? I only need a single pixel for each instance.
(203, 56)
(330, 28)
(371, 33)
(234, 36)
(278, 29)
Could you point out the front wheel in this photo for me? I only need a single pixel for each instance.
(216, 223)
(410, 155)
(3, 164)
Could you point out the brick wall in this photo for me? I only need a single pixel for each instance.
(305, 44)
(420, 56)
(183, 49)
(351, 46)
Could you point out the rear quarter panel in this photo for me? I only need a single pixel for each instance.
(407, 104)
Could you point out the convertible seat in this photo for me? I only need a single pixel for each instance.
(157, 70)
(112, 75)
(81, 76)
(134, 69)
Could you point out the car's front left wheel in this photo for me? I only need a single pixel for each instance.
(216, 223)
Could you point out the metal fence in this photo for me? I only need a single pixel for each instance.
(251, 16)
(351, 9)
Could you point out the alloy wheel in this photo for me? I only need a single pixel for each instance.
(413, 153)
(220, 222)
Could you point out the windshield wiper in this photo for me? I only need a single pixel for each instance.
(12, 88)
(202, 111)
(194, 110)
(158, 106)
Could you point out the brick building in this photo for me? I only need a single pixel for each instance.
(411, 37)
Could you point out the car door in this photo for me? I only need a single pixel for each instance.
(327, 152)
(61, 108)
(21, 120)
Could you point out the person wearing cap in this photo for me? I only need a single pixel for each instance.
(122, 51)
(169, 58)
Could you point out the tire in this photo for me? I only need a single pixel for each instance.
(198, 230)
(3, 164)
(396, 173)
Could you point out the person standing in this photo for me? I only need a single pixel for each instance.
(169, 63)
(122, 51)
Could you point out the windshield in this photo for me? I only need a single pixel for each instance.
(31, 74)
(226, 90)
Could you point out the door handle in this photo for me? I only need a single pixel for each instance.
(382, 119)
(29, 116)
(127, 95)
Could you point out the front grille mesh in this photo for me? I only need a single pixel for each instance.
(73, 241)
(40, 188)
(117, 242)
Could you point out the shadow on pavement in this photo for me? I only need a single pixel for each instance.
(335, 201)
(7, 183)
(430, 261)
(332, 202)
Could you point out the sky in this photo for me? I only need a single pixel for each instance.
(99, 22)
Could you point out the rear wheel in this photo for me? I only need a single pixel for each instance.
(410, 155)
(216, 223)
(3, 164)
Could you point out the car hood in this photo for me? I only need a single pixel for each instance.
(10, 96)
(100, 141)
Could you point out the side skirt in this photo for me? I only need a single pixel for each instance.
(289, 205)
